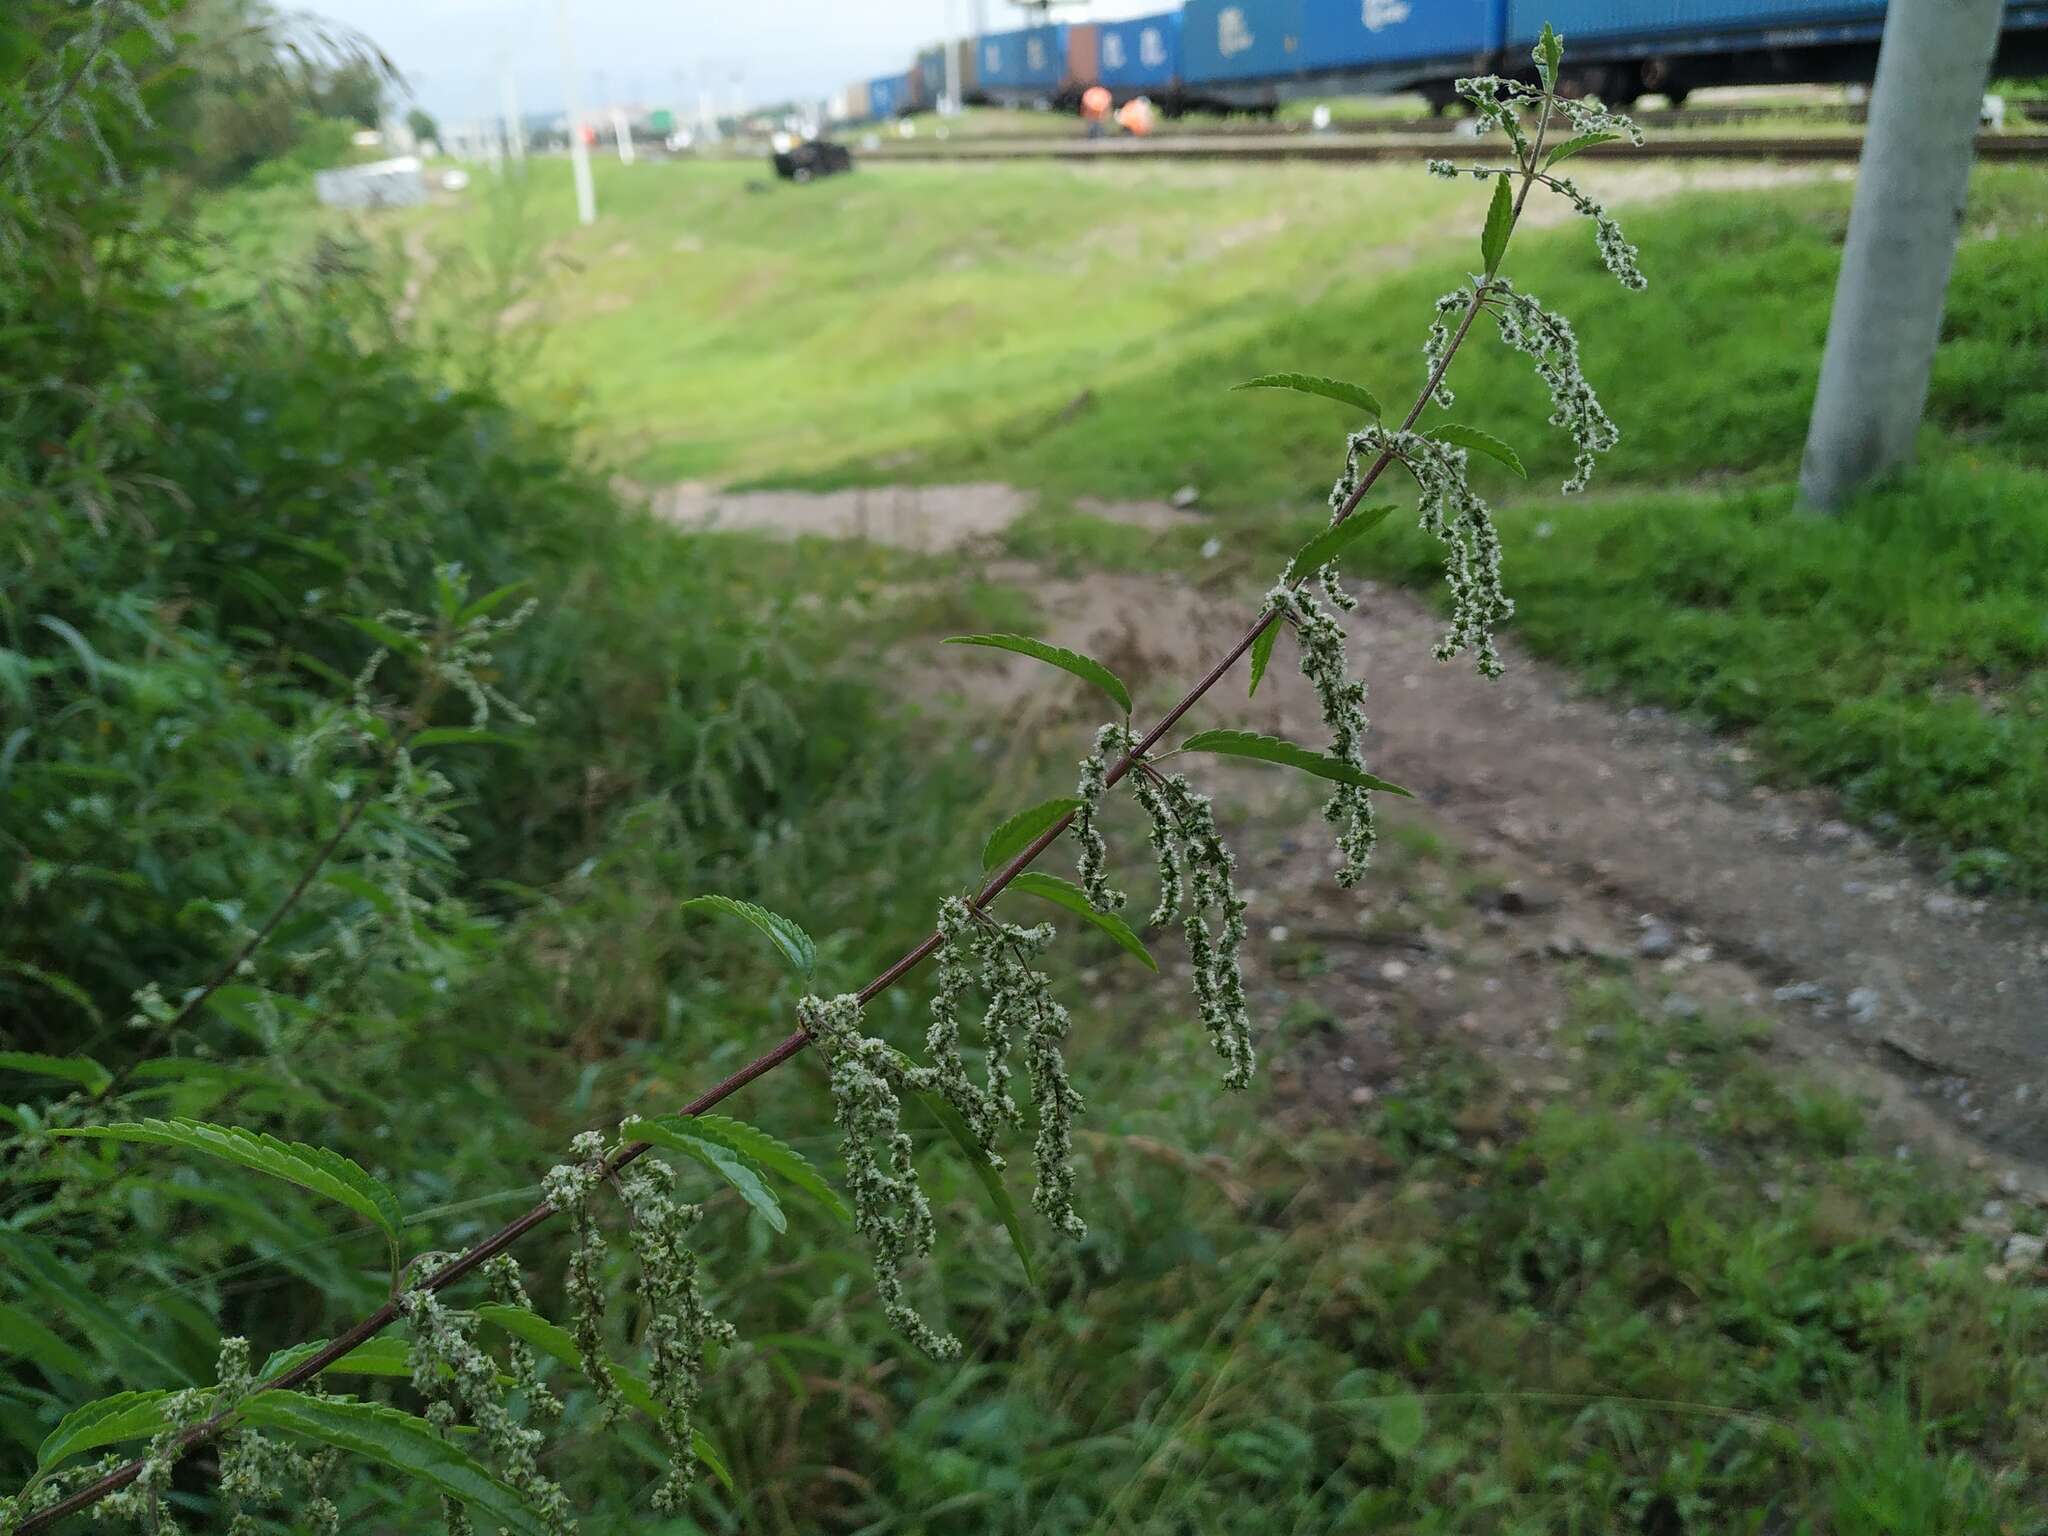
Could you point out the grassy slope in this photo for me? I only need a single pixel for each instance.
(1074, 331)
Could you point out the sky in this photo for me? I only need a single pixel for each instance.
(665, 52)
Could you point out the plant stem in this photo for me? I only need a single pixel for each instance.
(506, 1236)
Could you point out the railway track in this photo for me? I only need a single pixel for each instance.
(1354, 147)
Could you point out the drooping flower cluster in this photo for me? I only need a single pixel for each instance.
(1616, 253)
(679, 1323)
(568, 1187)
(1547, 341)
(1342, 697)
(1587, 115)
(457, 1378)
(507, 1290)
(1498, 102)
(143, 1499)
(1436, 349)
(1093, 861)
(255, 1469)
(1184, 818)
(890, 1209)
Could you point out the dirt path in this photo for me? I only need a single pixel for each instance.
(1629, 839)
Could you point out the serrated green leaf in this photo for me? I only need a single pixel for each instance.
(1316, 384)
(82, 1070)
(399, 1441)
(1272, 749)
(991, 1177)
(315, 1168)
(1017, 834)
(26, 1338)
(375, 1357)
(1084, 667)
(490, 600)
(555, 1342)
(1462, 436)
(1064, 893)
(1262, 654)
(1500, 223)
(1333, 541)
(1549, 53)
(1571, 147)
(394, 640)
(674, 1133)
(790, 941)
(775, 1156)
(107, 1421)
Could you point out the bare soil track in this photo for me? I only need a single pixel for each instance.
(1623, 838)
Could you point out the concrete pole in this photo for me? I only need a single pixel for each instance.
(1910, 193)
(579, 152)
(622, 131)
(952, 103)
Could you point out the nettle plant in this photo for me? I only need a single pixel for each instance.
(477, 1441)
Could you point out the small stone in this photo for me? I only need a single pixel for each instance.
(2023, 1250)
(1703, 1105)
(1941, 904)
(1994, 1210)
(1277, 934)
(1211, 548)
(1801, 992)
(1185, 497)
(1679, 1006)
(1347, 1064)
(2008, 1183)
(1393, 970)
(1865, 1004)
(1657, 941)
(1361, 1095)
(1835, 831)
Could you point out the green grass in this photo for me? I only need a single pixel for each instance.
(1074, 331)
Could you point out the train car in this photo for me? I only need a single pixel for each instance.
(1023, 66)
(1619, 49)
(854, 108)
(928, 79)
(1141, 57)
(888, 96)
(1240, 53)
(1393, 45)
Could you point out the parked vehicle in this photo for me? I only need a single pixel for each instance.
(810, 160)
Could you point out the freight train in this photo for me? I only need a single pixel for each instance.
(1251, 55)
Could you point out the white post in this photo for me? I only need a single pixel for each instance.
(508, 108)
(952, 103)
(623, 132)
(1910, 192)
(579, 152)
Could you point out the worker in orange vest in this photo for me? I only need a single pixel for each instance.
(1095, 104)
(1135, 117)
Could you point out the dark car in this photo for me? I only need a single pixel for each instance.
(806, 162)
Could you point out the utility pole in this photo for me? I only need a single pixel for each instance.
(579, 152)
(1910, 192)
(952, 104)
(623, 132)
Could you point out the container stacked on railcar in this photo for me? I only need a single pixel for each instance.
(1254, 54)
(1141, 57)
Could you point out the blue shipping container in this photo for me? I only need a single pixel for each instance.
(1224, 40)
(1359, 34)
(1590, 19)
(1034, 59)
(888, 96)
(1141, 54)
